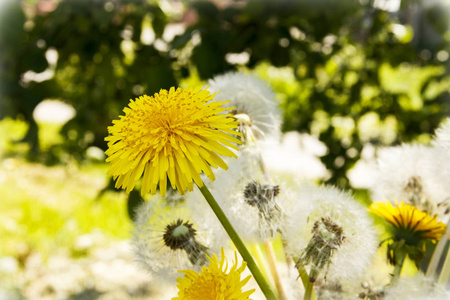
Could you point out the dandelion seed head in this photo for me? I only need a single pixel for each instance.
(413, 174)
(167, 238)
(254, 101)
(355, 240)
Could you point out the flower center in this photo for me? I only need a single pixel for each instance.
(180, 231)
(244, 119)
(177, 234)
(180, 235)
(246, 126)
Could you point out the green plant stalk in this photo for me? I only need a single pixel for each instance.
(438, 252)
(273, 269)
(258, 255)
(308, 291)
(240, 246)
(268, 245)
(401, 255)
(445, 273)
(306, 282)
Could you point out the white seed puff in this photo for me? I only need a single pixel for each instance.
(308, 204)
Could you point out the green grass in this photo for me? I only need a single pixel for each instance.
(46, 209)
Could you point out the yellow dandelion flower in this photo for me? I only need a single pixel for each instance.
(214, 282)
(411, 223)
(174, 135)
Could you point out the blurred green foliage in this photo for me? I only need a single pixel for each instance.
(44, 208)
(346, 71)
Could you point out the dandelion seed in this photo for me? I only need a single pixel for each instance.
(175, 135)
(214, 282)
(255, 107)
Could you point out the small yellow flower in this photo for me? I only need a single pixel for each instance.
(411, 223)
(174, 135)
(214, 282)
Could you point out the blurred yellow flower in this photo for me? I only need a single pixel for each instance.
(411, 223)
(214, 282)
(175, 135)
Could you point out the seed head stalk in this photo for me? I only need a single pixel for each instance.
(307, 284)
(268, 245)
(438, 253)
(309, 291)
(240, 246)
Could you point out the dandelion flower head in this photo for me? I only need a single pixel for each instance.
(254, 101)
(175, 135)
(214, 282)
(411, 224)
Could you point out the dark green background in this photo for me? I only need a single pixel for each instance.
(336, 51)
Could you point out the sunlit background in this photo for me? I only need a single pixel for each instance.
(350, 76)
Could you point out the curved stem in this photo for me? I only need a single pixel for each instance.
(240, 246)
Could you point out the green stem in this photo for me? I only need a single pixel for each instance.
(273, 269)
(258, 255)
(240, 246)
(308, 291)
(306, 282)
(438, 252)
(401, 255)
(445, 273)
